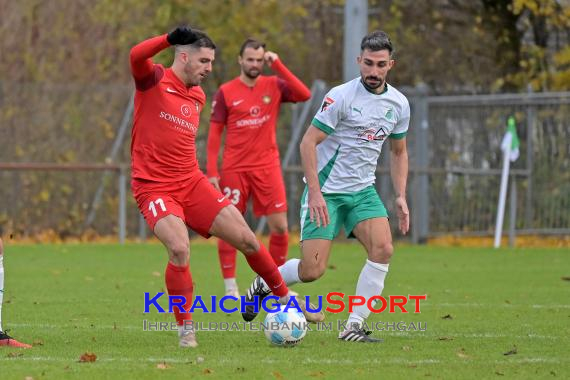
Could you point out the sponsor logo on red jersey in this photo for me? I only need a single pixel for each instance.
(186, 110)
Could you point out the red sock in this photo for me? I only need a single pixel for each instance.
(179, 283)
(278, 247)
(227, 255)
(264, 266)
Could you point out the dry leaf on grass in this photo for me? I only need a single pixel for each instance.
(87, 357)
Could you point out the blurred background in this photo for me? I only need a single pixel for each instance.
(466, 66)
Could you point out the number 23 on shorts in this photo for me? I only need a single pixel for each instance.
(232, 195)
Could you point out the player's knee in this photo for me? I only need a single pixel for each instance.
(310, 273)
(280, 229)
(180, 250)
(382, 252)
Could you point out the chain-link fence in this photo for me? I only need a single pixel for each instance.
(457, 151)
(453, 143)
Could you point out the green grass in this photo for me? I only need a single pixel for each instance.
(72, 299)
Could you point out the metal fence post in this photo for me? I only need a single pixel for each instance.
(142, 228)
(122, 205)
(355, 27)
(530, 118)
(420, 203)
(513, 212)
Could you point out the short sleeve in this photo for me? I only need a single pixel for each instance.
(330, 113)
(401, 129)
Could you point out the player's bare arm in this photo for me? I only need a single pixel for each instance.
(316, 202)
(399, 172)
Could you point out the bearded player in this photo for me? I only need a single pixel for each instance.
(248, 108)
(171, 191)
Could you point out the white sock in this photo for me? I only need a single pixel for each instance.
(370, 283)
(289, 271)
(1, 287)
(284, 300)
(230, 283)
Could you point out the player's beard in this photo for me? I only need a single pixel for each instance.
(195, 80)
(252, 73)
(372, 86)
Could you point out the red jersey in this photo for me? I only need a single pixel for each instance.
(166, 118)
(250, 116)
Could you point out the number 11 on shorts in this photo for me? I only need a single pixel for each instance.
(152, 207)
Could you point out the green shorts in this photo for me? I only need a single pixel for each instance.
(344, 210)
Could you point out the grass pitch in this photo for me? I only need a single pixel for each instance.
(489, 314)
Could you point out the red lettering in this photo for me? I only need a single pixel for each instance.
(417, 299)
(394, 302)
(351, 302)
(371, 302)
(340, 302)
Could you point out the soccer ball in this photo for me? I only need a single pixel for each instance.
(285, 328)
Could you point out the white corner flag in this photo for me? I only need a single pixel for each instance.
(510, 149)
(511, 141)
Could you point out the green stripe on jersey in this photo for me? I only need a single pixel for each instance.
(398, 136)
(322, 126)
(326, 170)
(323, 176)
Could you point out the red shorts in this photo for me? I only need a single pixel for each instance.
(195, 201)
(265, 186)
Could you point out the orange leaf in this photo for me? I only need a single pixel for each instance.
(88, 357)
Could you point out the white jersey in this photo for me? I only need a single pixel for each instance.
(357, 123)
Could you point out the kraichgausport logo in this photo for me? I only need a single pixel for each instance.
(337, 302)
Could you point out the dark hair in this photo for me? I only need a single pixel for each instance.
(251, 43)
(203, 40)
(375, 41)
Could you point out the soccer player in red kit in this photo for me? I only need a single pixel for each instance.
(248, 106)
(171, 191)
